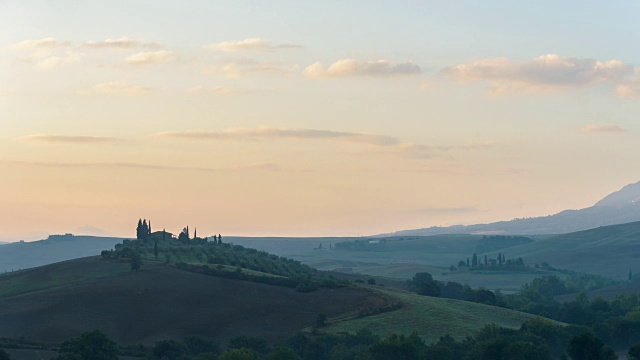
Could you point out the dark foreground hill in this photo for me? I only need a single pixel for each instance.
(620, 207)
(53, 303)
(23, 255)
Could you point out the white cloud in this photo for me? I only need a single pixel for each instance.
(242, 67)
(603, 128)
(351, 67)
(252, 44)
(44, 43)
(629, 89)
(52, 62)
(151, 57)
(121, 43)
(70, 139)
(121, 88)
(544, 73)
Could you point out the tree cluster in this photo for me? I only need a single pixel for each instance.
(536, 339)
(424, 284)
(143, 230)
(499, 263)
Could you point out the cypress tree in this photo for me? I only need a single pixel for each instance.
(474, 260)
(139, 229)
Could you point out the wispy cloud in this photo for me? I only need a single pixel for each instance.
(121, 88)
(216, 90)
(142, 166)
(378, 144)
(630, 88)
(280, 133)
(151, 57)
(52, 62)
(71, 139)
(352, 68)
(44, 43)
(442, 210)
(252, 44)
(121, 43)
(603, 128)
(544, 73)
(241, 67)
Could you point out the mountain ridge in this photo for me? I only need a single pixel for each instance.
(622, 206)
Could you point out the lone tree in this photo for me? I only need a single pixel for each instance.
(136, 261)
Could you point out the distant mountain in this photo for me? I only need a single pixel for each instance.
(23, 255)
(621, 207)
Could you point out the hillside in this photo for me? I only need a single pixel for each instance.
(433, 317)
(24, 255)
(608, 250)
(617, 208)
(53, 303)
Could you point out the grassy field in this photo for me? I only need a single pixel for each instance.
(432, 317)
(609, 250)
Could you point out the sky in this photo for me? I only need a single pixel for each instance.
(311, 118)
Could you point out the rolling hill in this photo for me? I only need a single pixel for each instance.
(56, 302)
(620, 207)
(24, 255)
(608, 250)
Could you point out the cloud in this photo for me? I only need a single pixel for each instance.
(544, 73)
(121, 43)
(52, 62)
(151, 57)
(71, 139)
(421, 151)
(253, 44)
(351, 68)
(241, 67)
(217, 90)
(280, 133)
(603, 128)
(121, 88)
(378, 144)
(44, 43)
(629, 89)
(143, 166)
(442, 210)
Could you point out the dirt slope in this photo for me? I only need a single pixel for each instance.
(161, 302)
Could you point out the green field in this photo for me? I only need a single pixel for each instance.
(432, 317)
(608, 250)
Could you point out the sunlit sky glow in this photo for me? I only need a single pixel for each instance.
(305, 118)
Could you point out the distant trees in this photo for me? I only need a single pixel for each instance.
(184, 235)
(587, 346)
